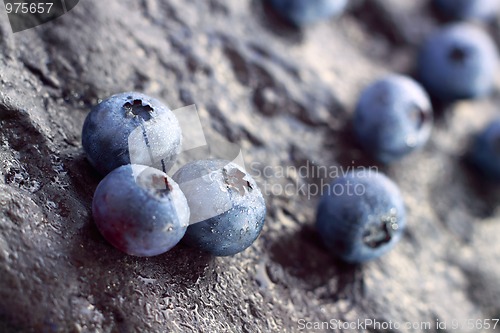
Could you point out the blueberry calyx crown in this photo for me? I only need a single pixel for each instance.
(161, 185)
(419, 117)
(378, 234)
(137, 108)
(235, 179)
(458, 54)
(155, 183)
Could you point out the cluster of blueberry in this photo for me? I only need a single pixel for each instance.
(213, 205)
(217, 207)
(394, 117)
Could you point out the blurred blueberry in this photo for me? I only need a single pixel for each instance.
(393, 117)
(485, 152)
(361, 216)
(131, 128)
(227, 207)
(303, 12)
(468, 9)
(140, 210)
(458, 62)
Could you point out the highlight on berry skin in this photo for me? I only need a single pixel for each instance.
(227, 207)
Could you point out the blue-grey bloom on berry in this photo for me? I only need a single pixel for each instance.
(482, 10)
(485, 152)
(393, 117)
(131, 128)
(227, 207)
(140, 210)
(458, 61)
(361, 216)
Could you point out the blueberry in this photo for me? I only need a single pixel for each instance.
(485, 152)
(303, 12)
(140, 210)
(227, 207)
(393, 117)
(468, 9)
(458, 62)
(361, 216)
(131, 128)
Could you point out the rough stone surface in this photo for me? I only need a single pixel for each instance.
(286, 97)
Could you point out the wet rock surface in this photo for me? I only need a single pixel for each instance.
(286, 97)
